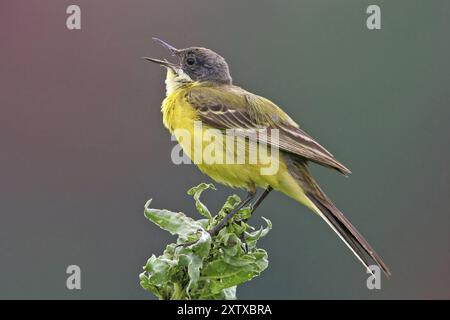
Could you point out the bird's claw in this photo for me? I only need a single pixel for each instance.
(244, 243)
(187, 244)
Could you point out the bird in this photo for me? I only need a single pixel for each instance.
(199, 89)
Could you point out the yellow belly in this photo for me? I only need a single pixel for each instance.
(200, 146)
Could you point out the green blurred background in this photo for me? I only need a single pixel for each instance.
(83, 146)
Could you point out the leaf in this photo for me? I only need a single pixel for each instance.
(194, 264)
(174, 222)
(209, 267)
(196, 193)
(231, 244)
(193, 257)
(244, 213)
(229, 293)
(157, 274)
(231, 203)
(203, 245)
(254, 236)
(222, 275)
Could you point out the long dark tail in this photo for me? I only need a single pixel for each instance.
(337, 221)
(348, 233)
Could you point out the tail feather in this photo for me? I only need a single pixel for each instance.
(334, 218)
(348, 233)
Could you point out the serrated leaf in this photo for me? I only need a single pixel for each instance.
(177, 223)
(209, 267)
(231, 244)
(193, 263)
(196, 192)
(244, 214)
(231, 203)
(223, 275)
(262, 232)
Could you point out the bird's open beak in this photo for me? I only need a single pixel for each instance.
(173, 51)
(164, 63)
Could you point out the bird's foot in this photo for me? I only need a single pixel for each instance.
(244, 242)
(187, 244)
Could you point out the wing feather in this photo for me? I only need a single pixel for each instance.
(230, 107)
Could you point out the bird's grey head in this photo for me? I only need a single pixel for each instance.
(199, 64)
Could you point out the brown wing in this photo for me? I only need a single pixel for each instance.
(230, 107)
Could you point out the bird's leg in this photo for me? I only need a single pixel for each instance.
(259, 200)
(254, 206)
(214, 231)
(250, 195)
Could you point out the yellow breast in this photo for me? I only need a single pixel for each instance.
(182, 120)
(177, 113)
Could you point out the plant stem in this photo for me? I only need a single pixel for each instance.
(178, 293)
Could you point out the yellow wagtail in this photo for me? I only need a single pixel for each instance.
(199, 89)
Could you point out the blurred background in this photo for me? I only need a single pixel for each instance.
(83, 147)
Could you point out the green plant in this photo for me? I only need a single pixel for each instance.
(199, 266)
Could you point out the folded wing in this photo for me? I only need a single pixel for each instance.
(230, 107)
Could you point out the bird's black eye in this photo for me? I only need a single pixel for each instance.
(190, 61)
